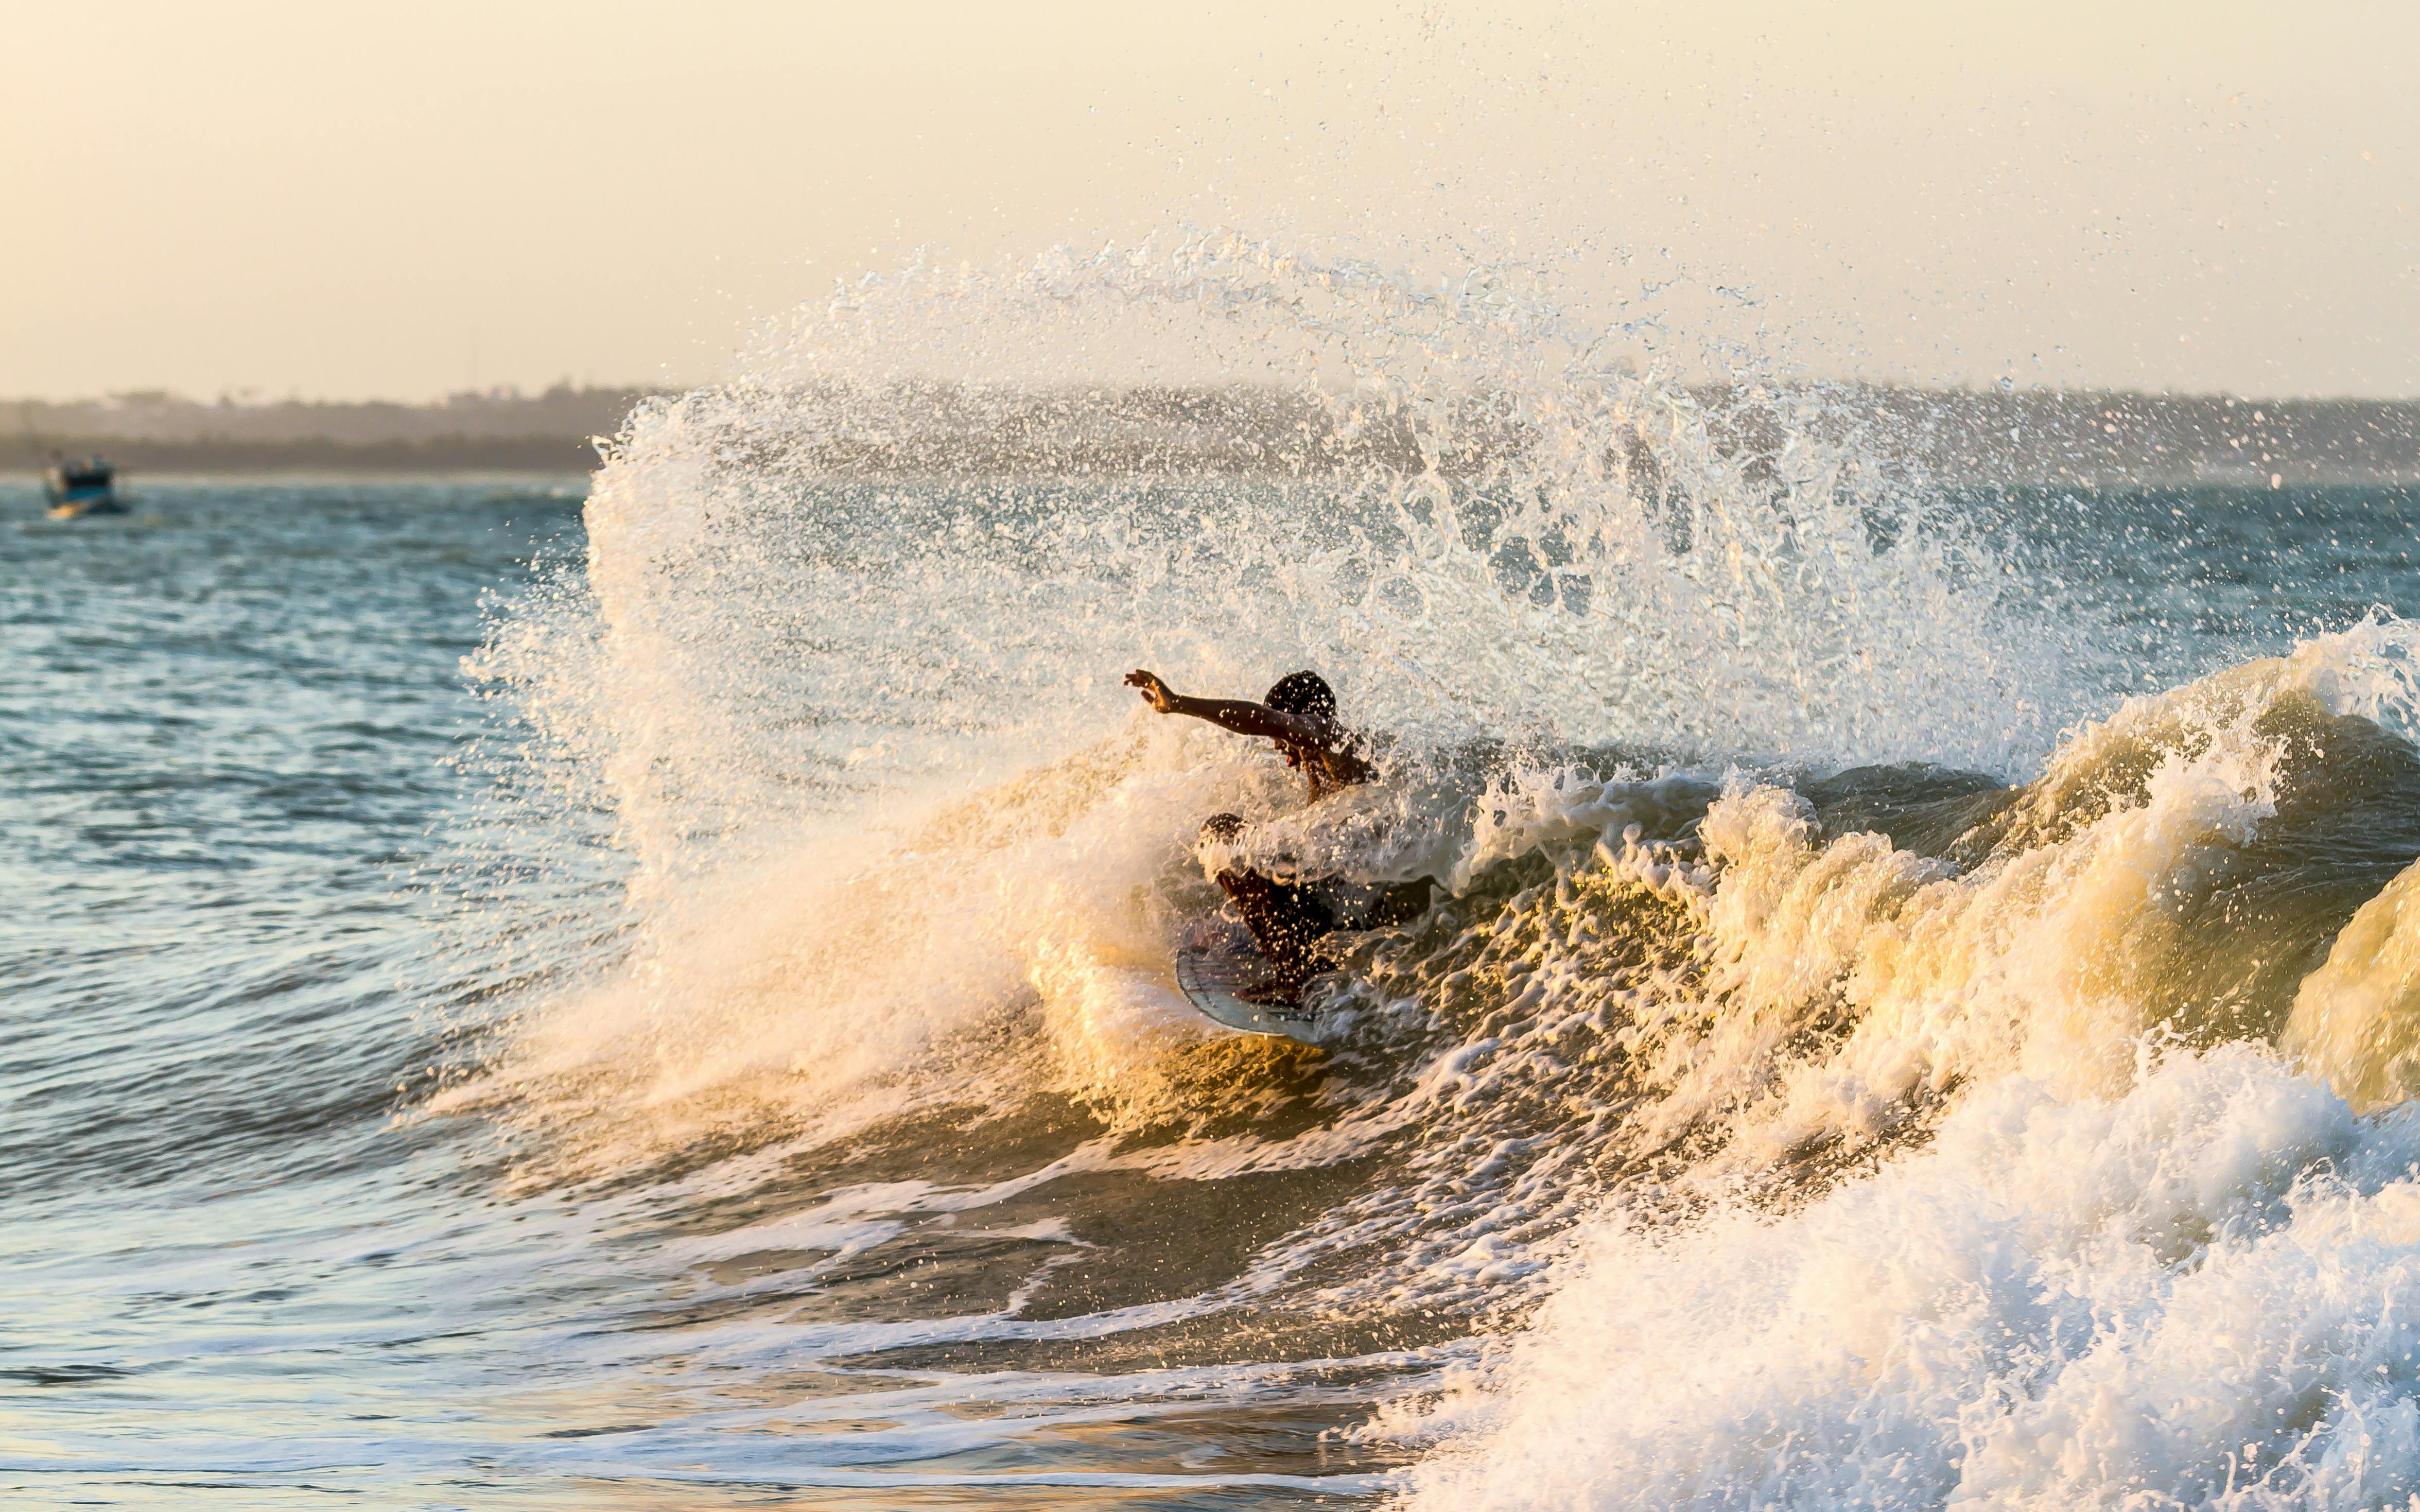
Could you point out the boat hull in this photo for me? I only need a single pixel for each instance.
(106, 504)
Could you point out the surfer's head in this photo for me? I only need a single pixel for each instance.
(1301, 692)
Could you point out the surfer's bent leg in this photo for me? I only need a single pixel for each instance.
(1284, 918)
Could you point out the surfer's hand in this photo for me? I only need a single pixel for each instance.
(1161, 697)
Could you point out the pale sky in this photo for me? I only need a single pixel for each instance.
(350, 200)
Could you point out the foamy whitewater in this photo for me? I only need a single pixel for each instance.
(1920, 1008)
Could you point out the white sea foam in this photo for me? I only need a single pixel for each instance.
(2194, 1293)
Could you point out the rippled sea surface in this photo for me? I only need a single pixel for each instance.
(225, 736)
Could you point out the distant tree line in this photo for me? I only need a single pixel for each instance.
(154, 431)
(2026, 437)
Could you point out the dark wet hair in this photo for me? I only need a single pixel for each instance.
(1301, 692)
(1222, 827)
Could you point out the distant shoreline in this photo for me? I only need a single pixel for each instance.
(557, 455)
(155, 431)
(2023, 438)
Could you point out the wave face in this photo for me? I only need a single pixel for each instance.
(1919, 1007)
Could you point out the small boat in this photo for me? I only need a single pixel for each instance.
(76, 490)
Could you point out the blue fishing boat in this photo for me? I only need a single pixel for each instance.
(76, 490)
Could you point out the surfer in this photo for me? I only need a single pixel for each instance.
(1298, 715)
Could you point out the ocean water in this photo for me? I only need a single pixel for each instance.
(652, 991)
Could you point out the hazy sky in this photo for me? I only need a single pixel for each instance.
(402, 200)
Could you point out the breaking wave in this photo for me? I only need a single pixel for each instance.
(1859, 1058)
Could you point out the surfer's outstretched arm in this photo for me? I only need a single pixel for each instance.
(1241, 715)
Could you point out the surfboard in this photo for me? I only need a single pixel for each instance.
(1223, 974)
